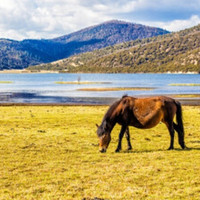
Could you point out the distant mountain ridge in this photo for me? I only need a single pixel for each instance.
(113, 32)
(175, 52)
(21, 54)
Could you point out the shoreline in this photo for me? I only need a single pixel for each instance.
(25, 71)
(99, 102)
(31, 98)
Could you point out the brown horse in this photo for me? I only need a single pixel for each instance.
(141, 113)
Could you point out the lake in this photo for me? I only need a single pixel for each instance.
(42, 88)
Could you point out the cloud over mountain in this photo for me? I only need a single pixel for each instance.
(20, 19)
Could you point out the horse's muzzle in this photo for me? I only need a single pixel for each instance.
(102, 150)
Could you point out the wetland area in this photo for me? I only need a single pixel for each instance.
(93, 89)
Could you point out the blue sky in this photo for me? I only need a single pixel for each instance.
(23, 19)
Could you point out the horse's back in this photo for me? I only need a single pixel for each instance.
(150, 111)
(155, 102)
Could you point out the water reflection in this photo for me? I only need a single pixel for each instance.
(36, 98)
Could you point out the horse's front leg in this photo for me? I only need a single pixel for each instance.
(128, 138)
(121, 134)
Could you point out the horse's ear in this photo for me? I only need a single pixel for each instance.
(97, 125)
(104, 124)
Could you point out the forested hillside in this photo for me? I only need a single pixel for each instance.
(21, 54)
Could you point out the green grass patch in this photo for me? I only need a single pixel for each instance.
(184, 84)
(186, 95)
(81, 82)
(51, 152)
(113, 89)
(6, 82)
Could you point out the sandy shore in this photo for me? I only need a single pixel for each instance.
(24, 71)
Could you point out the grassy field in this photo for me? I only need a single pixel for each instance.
(51, 152)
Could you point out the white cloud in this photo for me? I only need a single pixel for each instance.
(176, 25)
(21, 19)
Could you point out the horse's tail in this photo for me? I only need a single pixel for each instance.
(179, 120)
(179, 117)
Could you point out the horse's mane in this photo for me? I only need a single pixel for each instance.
(112, 108)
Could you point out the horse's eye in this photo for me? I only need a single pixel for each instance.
(105, 129)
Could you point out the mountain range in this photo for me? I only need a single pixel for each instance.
(30, 52)
(173, 52)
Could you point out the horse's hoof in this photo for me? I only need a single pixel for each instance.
(129, 148)
(170, 148)
(117, 150)
(185, 147)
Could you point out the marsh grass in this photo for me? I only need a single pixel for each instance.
(186, 95)
(52, 153)
(6, 82)
(114, 89)
(184, 84)
(81, 82)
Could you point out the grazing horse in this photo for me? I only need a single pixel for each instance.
(141, 113)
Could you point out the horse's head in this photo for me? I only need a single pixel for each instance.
(103, 132)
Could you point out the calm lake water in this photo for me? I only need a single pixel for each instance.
(41, 88)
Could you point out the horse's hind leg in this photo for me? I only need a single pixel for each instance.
(180, 135)
(171, 132)
(121, 134)
(128, 138)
